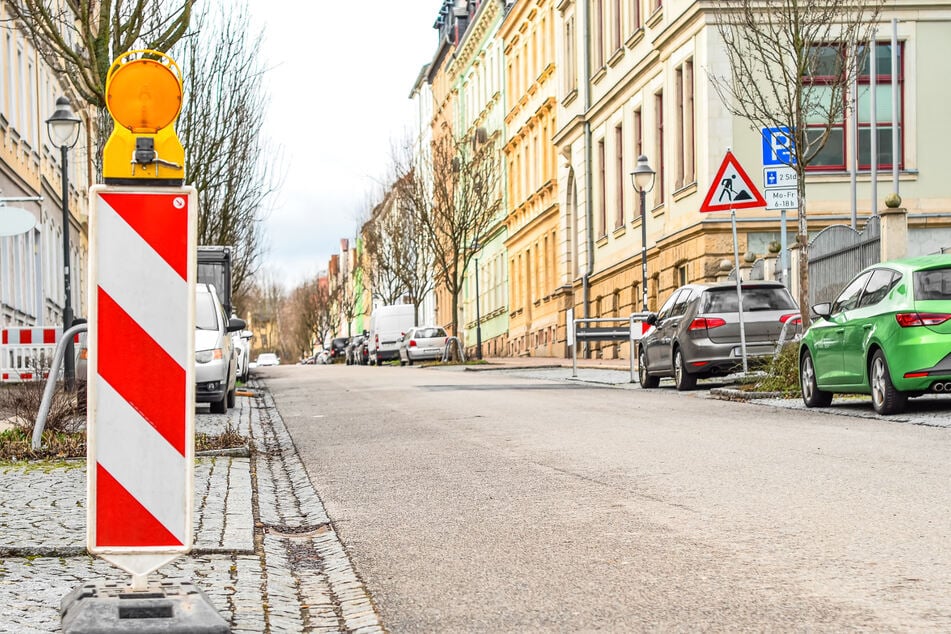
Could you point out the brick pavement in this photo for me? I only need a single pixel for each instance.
(265, 551)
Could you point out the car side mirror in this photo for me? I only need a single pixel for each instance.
(366, 333)
(823, 310)
(651, 319)
(235, 324)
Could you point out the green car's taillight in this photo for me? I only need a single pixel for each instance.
(908, 320)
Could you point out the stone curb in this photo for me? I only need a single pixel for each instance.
(733, 394)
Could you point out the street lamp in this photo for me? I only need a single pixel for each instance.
(643, 180)
(63, 130)
(475, 247)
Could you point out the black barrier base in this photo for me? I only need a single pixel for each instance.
(167, 606)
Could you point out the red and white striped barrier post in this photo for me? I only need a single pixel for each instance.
(141, 377)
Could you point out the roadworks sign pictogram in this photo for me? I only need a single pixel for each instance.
(732, 188)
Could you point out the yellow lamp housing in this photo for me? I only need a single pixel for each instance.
(144, 97)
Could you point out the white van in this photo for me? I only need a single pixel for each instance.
(387, 326)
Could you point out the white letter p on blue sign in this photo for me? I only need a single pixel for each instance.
(777, 147)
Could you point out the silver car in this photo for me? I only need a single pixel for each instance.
(214, 354)
(421, 343)
(696, 333)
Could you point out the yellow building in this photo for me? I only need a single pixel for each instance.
(537, 296)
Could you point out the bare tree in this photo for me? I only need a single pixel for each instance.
(221, 125)
(399, 259)
(311, 314)
(452, 192)
(266, 300)
(79, 39)
(775, 48)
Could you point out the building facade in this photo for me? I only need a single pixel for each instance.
(537, 296)
(477, 73)
(634, 79)
(32, 262)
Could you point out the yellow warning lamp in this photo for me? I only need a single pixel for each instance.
(144, 97)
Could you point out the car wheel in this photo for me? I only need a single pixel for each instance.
(812, 396)
(230, 398)
(885, 398)
(220, 407)
(409, 359)
(682, 379)
(646, 380)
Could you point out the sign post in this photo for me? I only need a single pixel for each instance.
(781, 183)
(733, 189)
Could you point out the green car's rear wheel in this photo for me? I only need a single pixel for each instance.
(885, 398)
(812, 396)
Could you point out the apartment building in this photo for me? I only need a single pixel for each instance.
(32, 263)
(477, 72)
(537, 296)
(634, 79)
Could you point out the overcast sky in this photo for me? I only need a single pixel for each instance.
(339, 84)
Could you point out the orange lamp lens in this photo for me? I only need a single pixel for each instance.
(144, 96)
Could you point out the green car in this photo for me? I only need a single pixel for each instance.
(887, 334)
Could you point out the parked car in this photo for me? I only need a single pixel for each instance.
(388, 324)
(887, 334)
(421, 343)
(357, 352)
(242, 353)
(696, 333)
(338, 349)
(215, 362)
(268, 358)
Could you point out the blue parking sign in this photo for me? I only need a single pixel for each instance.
(777, 147)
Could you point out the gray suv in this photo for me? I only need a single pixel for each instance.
(696, 333)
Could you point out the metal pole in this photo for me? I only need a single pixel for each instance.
(873, 126)
(631, 329)
(478, 314)
(643, 250)
(895, 105)
(739, 290)
(854, 143)
(574, 348)
(69, 368)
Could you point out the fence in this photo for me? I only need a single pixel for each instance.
(621, 329)
(837, 254)
(26, 353)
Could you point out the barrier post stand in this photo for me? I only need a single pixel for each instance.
(141, 363)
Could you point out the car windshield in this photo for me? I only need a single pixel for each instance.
(723, 300)
(933, 284)
(426, 333)
(206, 317)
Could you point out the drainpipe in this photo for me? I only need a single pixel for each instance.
(589, 209)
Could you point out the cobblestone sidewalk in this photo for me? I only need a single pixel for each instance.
(265, 551)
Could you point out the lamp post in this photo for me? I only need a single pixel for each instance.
(475, 247)
(643, 180)
(63, 130)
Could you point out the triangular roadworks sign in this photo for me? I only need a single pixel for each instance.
(732, 188)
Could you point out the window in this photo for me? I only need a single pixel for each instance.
(619, 180)
(680, 274)
(933, 285)
(659, 149)
(829, 60)
(881, 282)
(883, 107)
(571, 63)
(602, 191)
(689, 158)
(849, 297)
(597, 37)
(637, 21)
(616, 25)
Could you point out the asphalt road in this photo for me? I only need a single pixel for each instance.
(479, 501)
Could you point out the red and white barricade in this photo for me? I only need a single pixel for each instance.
(26, 354)
(141, 378)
